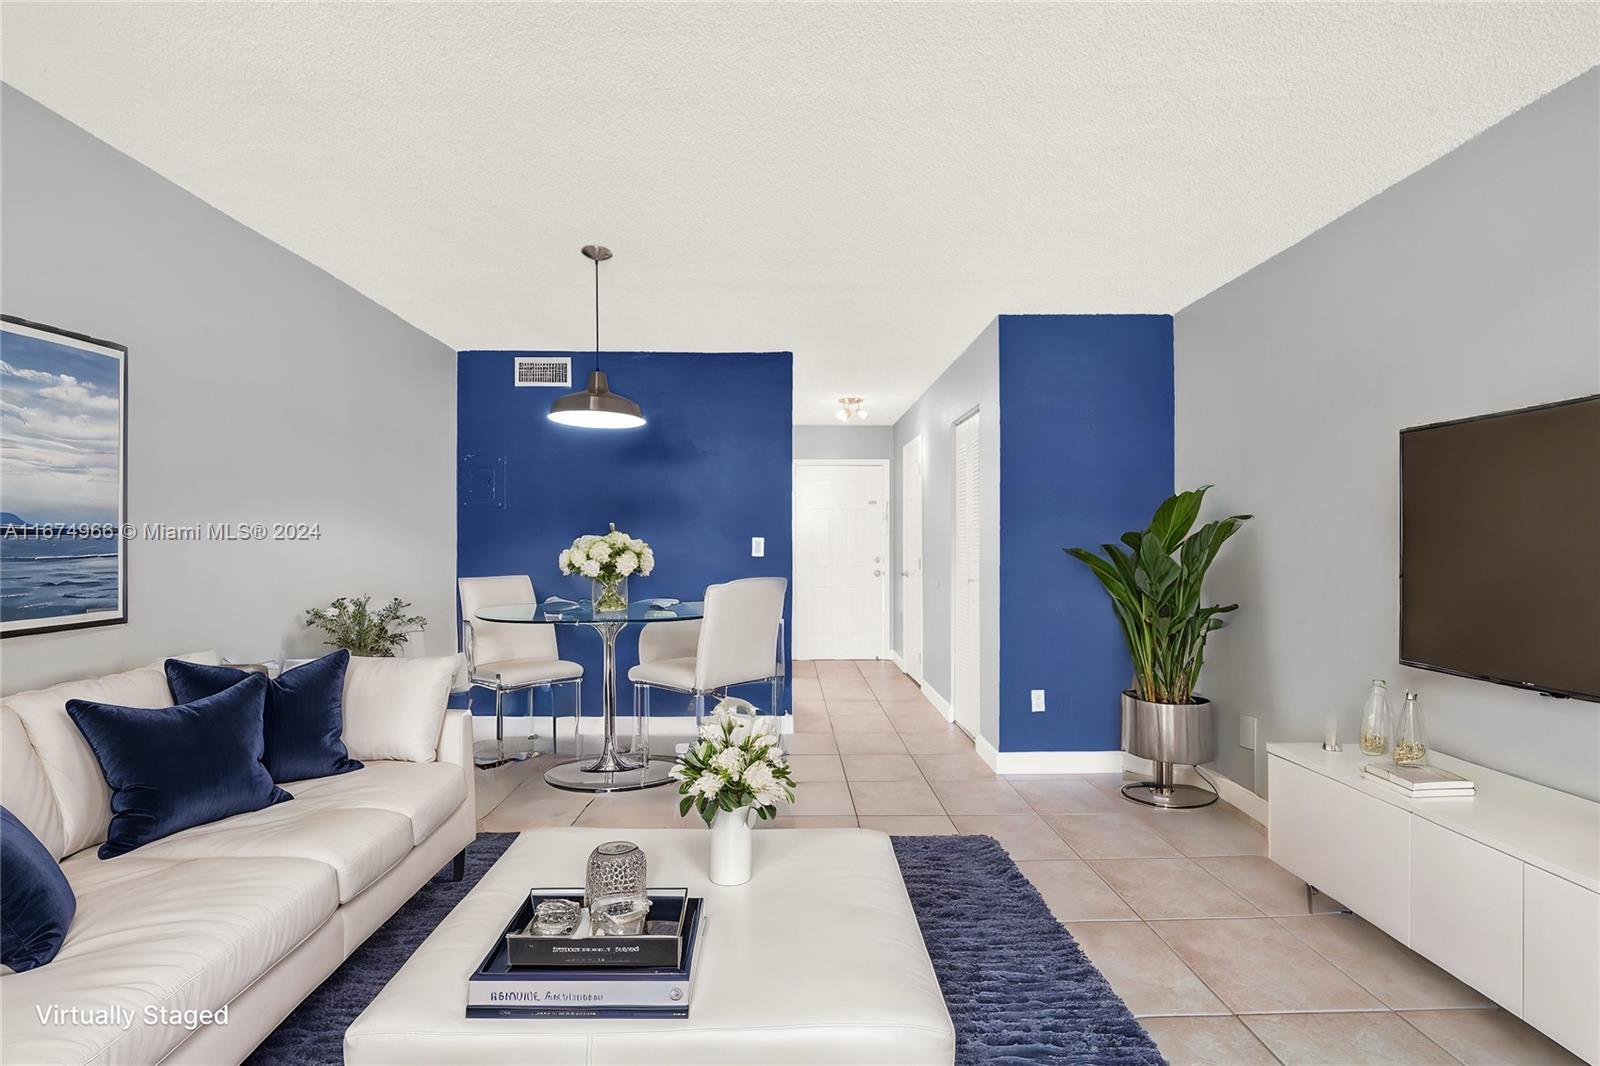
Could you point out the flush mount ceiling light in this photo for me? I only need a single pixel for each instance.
(850, 409)
(596, 407)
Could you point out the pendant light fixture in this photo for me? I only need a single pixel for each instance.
(596, 407)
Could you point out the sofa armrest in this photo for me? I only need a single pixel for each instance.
(455, 747)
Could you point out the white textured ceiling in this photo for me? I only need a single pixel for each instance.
(865, 185)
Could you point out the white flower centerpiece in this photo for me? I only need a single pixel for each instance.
(607, 560)
(733, 767)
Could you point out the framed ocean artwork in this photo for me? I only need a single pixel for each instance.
(63, 479)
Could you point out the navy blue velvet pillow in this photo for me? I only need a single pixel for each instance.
(171, 768)
(36, 903)
(304, 724)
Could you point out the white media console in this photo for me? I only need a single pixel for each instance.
(1501, 890)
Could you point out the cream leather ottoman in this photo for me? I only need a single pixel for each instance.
(818, 959)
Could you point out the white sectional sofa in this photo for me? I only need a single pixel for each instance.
(250, 913)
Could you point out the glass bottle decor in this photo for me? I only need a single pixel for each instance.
(1375, 720)
(1410, 743)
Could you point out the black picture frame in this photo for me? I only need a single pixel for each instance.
(13, 324)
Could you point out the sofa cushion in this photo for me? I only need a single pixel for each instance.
(36, 903)
(360, 844)
(426, 793)
(171, 768)
(177, 935)
(24, 789)
(302, 727)
(69, 764)
(393, 708)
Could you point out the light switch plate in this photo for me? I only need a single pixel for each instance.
(1247, 732)
(1038, 701)
(758, 547)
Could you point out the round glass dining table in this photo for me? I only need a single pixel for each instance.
(613, 770)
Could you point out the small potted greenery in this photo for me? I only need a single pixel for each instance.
(350, 624)
(1154, 582)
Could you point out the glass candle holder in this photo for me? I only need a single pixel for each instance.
(618, 915)
(617, 868)
(555, 917)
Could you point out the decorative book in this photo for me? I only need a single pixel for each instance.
(1419, 780)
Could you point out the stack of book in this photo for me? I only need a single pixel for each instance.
(647, 976)
(1419, 782)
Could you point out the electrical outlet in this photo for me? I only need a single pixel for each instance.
(1247, 732)
(758, 547)
(1038, 701)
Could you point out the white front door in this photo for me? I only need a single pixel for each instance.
(965, 625)
(911, 557)
(841, 559)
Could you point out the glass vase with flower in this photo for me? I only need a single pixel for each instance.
(608, 560)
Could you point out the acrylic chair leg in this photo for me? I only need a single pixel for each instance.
(533, 734)
(699, 710)
(577, 722)
(499, 722)
(644, 732)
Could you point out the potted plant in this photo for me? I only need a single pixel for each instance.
(1154, 582)
(735, 766)
(350, 624)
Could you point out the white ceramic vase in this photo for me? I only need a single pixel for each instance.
(730, 847)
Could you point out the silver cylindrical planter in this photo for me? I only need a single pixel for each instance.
(1168, 734)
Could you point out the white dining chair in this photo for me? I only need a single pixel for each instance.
(739, 641)
(512, 657)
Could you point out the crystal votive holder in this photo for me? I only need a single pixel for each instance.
(556, 917)
(618, 915)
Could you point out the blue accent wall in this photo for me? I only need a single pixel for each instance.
(712, 468)
(1086, 436)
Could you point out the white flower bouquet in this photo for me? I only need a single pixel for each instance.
(608, 559)
(735, 763)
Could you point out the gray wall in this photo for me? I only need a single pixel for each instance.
(259, 388)
(971, 382)
(843, 442)
(1471, 286)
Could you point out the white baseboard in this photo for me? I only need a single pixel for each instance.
(899, 663)
(1114, 762)
(1250, 804)
(940, 704)
(1048, 762)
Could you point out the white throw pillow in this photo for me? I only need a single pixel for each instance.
(394, 708)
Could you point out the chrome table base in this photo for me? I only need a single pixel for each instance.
(613, 771)
(582, 775)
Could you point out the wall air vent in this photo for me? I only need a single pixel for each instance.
(543, 372)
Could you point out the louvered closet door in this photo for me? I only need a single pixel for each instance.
(965, 627)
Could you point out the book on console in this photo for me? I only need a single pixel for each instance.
(1417, 779)
(1425, 794)
(498, 989)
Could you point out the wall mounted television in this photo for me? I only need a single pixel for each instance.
(1500, 548)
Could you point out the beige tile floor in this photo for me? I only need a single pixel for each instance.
(1207, 941)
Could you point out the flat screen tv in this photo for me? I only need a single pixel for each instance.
(1500, 548)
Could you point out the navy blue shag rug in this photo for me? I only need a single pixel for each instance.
(1018, 988)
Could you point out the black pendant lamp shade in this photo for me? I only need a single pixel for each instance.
(596, 407)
